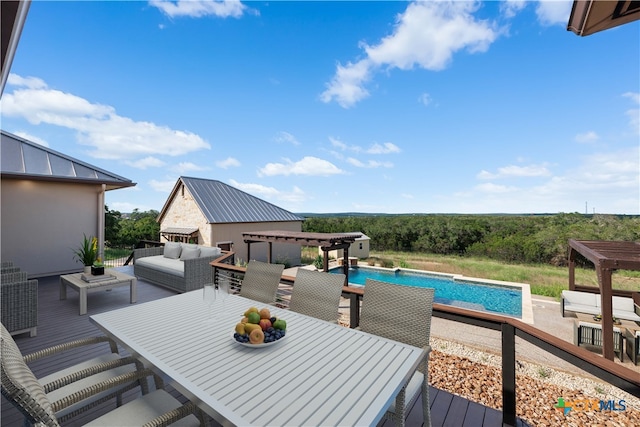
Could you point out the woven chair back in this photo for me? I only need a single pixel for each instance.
(397, 312)
(317, 294)
(21, 387)
(261, 281)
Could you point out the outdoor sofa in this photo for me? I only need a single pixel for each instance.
(178, 266)
(588, 303)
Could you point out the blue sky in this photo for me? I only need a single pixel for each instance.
(397, 107)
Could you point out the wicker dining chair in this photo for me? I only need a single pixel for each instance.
(317, 294)
(30, 396)
(261, 281)
(401, 313)
(19, 303)
(61, 384)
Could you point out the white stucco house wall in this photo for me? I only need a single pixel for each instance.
(358, 249)
(47, 202)
(212, 213)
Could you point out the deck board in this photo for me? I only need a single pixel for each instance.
(59, 322)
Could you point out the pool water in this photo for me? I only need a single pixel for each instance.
(475, 295)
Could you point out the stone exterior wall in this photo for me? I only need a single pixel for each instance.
(183, 211)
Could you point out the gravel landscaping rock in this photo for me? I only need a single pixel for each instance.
(476, 375)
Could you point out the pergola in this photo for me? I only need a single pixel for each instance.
(606, 256)
(326, 241)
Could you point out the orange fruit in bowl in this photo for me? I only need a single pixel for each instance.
(256, 336)
(265, 313)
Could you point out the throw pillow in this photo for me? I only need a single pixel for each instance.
(189, 253)
(172, 250)
(209, 251)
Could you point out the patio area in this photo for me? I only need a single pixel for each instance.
(59, 322)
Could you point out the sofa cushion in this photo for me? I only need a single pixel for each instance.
(623, 304)
(160, 263)
(581, 298)
(189, 253)
(207, 251)
(172, 250)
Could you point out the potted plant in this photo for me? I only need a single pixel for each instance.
(97, 268)
(87, 253)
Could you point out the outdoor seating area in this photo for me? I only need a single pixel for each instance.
(66, 323)
(178, 266)
(19, 300)
(589, 303)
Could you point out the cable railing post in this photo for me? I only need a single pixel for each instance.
(508, 375)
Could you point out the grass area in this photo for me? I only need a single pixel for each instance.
(545, 280)
(116, 253)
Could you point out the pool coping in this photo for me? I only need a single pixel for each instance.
(525, 288)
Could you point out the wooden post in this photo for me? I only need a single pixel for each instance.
(572, 269)
(508, 375)
(248, 251)
(325, 260)
(269, 252)
(606, 302)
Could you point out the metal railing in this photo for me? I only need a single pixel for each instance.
(608, 371)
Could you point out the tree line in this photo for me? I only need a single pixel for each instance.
(509, 238)
(126, 230)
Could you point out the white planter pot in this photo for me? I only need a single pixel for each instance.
(87, 269)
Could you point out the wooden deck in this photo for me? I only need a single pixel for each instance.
(59, 322)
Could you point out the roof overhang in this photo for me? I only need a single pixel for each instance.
(591, 16)
(14, 14)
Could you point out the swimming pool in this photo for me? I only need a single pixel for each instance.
(506, 298)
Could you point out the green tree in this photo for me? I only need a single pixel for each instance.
(111, 226)
(139, 226)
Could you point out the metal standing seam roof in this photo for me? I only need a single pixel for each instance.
(222, 203)
(21, 158)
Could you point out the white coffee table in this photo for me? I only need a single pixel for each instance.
(75, 281)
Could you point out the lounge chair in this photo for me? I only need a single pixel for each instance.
(261, 281)
(30, 396)
(317, 294)
(401, 313)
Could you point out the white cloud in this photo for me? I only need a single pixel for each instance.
(587, 137)
(98, 126)
(516, 171)
(147, 162)
(227, 163)
(335, 142)
(494, 188)
(311, 166)
(28, 82)
(371, 164)
(162, 186)
(608, 182)
(511, 8)
(185, 167)
(425, 99)
(426, 36)
(552, 12)
(633, 96)
(197, 9)
(294, 196)
(31, 138)
(286, 137)
(385, 148)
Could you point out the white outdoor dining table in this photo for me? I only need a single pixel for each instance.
(320, 374)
